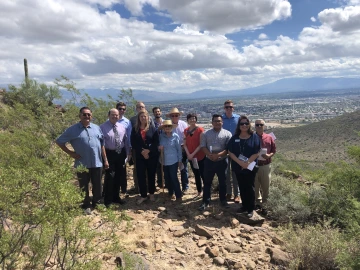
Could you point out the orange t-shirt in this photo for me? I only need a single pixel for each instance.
(193, 141)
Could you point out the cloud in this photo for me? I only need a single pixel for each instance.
(263, 36)
(345, 19)
(313, 19)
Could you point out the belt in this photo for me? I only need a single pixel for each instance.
(111, 150)
(262, 164)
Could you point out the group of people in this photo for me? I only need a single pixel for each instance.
(160, 148)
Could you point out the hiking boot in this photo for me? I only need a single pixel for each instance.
(228, 197)
(264, 211)
(224, 204)
(250, 214)
(241, 210)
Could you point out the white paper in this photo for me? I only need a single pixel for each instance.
(262, 151)
(195, 163)
(210, 149)
(251, 166)
(272, 135)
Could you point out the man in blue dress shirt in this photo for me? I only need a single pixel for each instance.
(230, 120)
(87, 140)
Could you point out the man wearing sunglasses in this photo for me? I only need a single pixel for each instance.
(263, 176)
(230, 120)
(174, 114)
(87, 140)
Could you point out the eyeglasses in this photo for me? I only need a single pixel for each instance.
(244, 123)
(259, 125)
(229, 107)
(217, 121)
(174, 115)
(121, 109)
(86, 114)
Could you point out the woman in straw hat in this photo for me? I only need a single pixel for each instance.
(170, 145)
(145, 141)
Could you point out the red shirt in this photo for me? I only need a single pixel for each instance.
(267, 142)
(193, 141)
(143, 134)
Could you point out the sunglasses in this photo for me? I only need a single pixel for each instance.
(121, 109)
(217, 121)
(168, 126)
(244, 123)
(259, 125)
(86, 114)
(229, 107)
(175, 115)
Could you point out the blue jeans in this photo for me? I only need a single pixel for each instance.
(210, 169)
(171, 180)
(184, 172)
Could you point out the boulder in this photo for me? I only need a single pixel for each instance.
(278, 257)
(202, 231)
(233, 248)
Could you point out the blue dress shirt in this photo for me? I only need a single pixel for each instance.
(230, 123)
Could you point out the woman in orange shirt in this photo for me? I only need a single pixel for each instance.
(192, 147)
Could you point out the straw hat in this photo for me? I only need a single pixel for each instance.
(167, 123)
(173, 111)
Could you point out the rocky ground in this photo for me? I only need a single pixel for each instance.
(169, 235)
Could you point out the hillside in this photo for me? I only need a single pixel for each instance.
(320, 142)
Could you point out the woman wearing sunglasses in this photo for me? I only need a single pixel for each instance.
(244, 148)
(171, 147)
(192, 137)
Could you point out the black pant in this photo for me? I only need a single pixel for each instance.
(159, 175)
(94, 176)
(114, 176)
(210, 169)
(146, 167)
(198, 173)
(246, 183)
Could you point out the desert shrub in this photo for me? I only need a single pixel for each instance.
(288, 200)
(319, 247)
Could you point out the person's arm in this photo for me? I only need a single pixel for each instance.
(103, 153)
(243, 164)
(72, 154)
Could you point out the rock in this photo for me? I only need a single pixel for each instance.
(201, 243)
(144, 243)
(157, 227)
(162, 209)
(250, 264)
(137, 262)
(278, 257)
(256, 219)
(180, 250)
(232, 248)
(183, 264)
(200, 254)
(218, 261)
(157, 247)
(206, 213)
(246, 228)
(176, 228)
(202, 231)
(180, 233)
(237, 240)
(106, 257)
(213, 252)
(238, 265)
(277, 241)
(234, 222)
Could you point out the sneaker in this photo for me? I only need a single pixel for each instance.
(141, 200)
(152, 197)
(87, 211)
(257, 207)
(225, 204)
(179, 199)
(228, 197)
(203, 207)
(250, 214)
(237, 199)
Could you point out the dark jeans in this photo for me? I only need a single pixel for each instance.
(246, 183)
(210, 169)
(199, 174)
(114, 176)
(171, 180)
(146, 167)
(159, 175)
(184, 172)
(94, 176)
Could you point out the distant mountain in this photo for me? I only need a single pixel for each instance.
(280, 86)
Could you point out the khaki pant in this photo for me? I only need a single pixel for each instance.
(262, 184)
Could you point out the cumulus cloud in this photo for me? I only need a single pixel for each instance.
(313, 19)
(342, 19)
(263, 36)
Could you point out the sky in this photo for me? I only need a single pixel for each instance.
(178, 45)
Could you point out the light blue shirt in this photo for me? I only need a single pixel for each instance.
(87, 142)
(230, 123)
(179, 130)
(172, 148)
(107, 129)
(127, 124)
